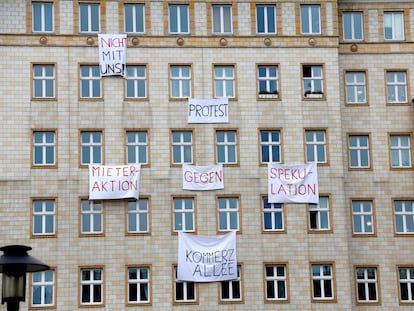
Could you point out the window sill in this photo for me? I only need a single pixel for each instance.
(314, 96)
(268, 96)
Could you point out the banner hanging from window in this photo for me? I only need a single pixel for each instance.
(293, 183)
(206, 259)
(203, 177)
(112, 54)
(114, 182)
(208, 110)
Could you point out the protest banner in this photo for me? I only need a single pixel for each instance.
(206, 259)
(112, 54)
(113, 182)
(203, 177)
(293, 183)
(208, 110)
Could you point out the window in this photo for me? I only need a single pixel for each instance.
(266, 19)
(268, 81)
(226, 147)
(359, 151)
(322, 282)
(137, 147)
(270, 148)
(276, 282)
(356, 88)
(91, 217)
(273, 216)
(224, 82)
(367, 284)
(312, 81)
(397, 87)
(231, 291)
(353, 26)
(228, 214)
(91, 148)
(178, 18)
(184, 292)
(43, 293)
(319, 215)
(44, 148)
(363, 217)
(91, 286)
(89, 14)
(400, 151)
(406, 284)
(136, 81)
(222, 19)
(134, 18)
(404, 216)
(90, 81)
(44, 216)
(180, 81)
(316, 146)
(393, 25)
(183, 214)
(138, 216)
(310, 19)
(138, 285)
(42, 17)
(182, 147)
(44, 81)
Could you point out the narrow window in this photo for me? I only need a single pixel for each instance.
(356, 88)
(393, 25)
(42, 17)
(178, 18)
(316, 146)
(183, 214)
(137, 147)
(91, 148)
(134, 18)
(228, 214)
(138, 218)
(226, 147)
(397, 87)
(276, 282)
(406, 284)
(319, 215)
(312, 76)
(363, 217)
(359, 151)
(182, 147)
(91, 292)
(404, 217)
(138, 285)
(136, 81)
(273, 216)
(400, 148)
(322, 282)
(266, 19)
(43, 289)
(90, 82)
(44, 218)
(310, 19)
(270, 146)
(224, 82)
(353, 26)
(180, 79)
(268, 81)
(44, 148)
(44, 81)
(367, 285)
(91, 217)
(222, 19)
(89, 17)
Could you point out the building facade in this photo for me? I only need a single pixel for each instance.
(306, 81)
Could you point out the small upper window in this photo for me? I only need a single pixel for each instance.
(222, 19)
(42, 17)
(310, 19)
(393, 26)
(134, 18)
(266, 19)
(89, 17)
(178, 18)
(353, 26)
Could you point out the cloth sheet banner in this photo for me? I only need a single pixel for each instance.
(206, 259)
(114, 182)
(112, 54)
(208, 110)
(293, 183)
(203, 177)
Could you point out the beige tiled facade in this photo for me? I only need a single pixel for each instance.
(297, 247)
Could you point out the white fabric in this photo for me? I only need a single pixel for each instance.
(203, 177)
(112, 54)
(208, 110)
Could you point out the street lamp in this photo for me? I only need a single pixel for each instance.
(14, 264)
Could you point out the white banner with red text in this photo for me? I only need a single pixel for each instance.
(206, 259)
(114, 182)
(293, 183)
(112, 54)
(203, 177)
(208, 110)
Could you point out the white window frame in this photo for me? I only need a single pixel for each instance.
(44, 215)
(400, 151)
(352, 25)
(267, 79)
(404, 216)
(136, 82)
(273, 210)
(137, 12)
(180, 81)
(231, 286)
(44, 81)
(92, 217)
(45, 8)
(183, 210)
(276, 281)
(323, 279)
(46, 146)
(363, 215)
(92, 282)
(359, 150)
(224, 81)
(320, 215)
(396, 26)
(307, 19)
(315, 145)
(186, 288)
(365, 282)
(228, 209)
(225, 146)
(181, 147)
(397, 87)
(406, 284)
(141, 283)
(89, 27)
(90, 80)
(137, 142)
(310, 83)
(267, 16)
(138, 216)
(91, 146)
(43, 287)
(181, 17)
(356, 87)
(270, 146)
(222, 20)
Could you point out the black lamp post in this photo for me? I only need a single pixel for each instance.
(14, 264)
